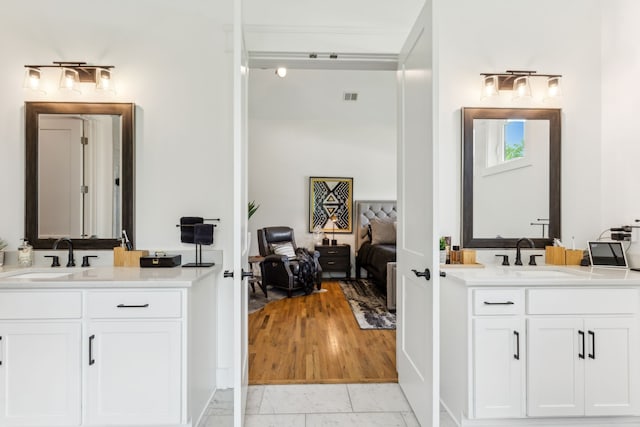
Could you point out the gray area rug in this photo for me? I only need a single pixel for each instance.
(257, 301)
(368, 304)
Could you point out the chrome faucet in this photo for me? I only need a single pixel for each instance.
(70, 261)
(518, 255)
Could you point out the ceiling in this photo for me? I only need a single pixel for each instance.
(341, 26)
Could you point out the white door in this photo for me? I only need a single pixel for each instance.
(611, 366)
(133, 372)
(556, 363)
(60, 159)
(240, 231)
(418, 297)
(499, 367)
(40, 374)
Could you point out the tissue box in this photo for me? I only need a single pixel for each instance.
(124, 258)
(555, 255)
(468, 256)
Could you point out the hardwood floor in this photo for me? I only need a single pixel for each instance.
(316, 339)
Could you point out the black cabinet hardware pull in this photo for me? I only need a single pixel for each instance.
(132, 306)
(581, 354)
(426, 273)
(91, 360)
(498, 303)
(592, 355)
(517, 355)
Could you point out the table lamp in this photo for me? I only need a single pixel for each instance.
(333, 218)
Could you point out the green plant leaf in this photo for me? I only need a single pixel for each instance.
(252, 208)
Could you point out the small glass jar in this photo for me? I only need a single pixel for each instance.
(25, 254)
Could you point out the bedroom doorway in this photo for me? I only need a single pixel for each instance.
(302, 126)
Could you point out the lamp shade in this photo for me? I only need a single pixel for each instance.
(69, 79)
(553, 87)
(104, 79)
(521, 87)
(32, 78)
(489, 86)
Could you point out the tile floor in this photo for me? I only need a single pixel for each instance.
(319, 405)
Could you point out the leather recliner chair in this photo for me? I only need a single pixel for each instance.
(278, 270)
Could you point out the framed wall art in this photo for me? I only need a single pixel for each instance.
(331, 202)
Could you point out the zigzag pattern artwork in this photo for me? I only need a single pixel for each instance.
(331, 196)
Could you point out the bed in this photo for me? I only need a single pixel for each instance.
(375, 239)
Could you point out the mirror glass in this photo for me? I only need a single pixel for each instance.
(82, 188)
(511, 176)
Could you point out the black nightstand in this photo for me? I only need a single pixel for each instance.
(335, 258)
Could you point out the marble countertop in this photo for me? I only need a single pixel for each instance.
(544, 276)
(101, 277)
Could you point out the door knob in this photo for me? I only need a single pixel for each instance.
(426, 273)
(247, 274)
(228, 274)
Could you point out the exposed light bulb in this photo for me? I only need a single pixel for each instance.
(281, 72)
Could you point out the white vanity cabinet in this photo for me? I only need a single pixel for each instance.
(134, 357)
(585, 363)
(40, 347)
(107, 346)
(569, 354)
(499, 354)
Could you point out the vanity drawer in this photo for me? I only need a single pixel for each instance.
(40, 305)
(134, 304)
(582, 301)
(498, 301)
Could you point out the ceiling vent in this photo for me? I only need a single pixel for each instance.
(350, 96)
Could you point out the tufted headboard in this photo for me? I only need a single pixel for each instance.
(367, 209)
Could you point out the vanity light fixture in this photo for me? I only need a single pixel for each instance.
(72, 73)
(518, 81)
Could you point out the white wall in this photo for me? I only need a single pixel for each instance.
(547, 36)
(620, 110)
(172, 60)
(299, 127)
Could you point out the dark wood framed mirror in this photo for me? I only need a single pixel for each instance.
(79, 179)
(510, 176)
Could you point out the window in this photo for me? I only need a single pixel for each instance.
(513, 140)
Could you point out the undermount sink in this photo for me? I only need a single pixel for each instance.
(542, 273)
(41, 275)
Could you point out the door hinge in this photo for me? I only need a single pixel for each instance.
(84, 189)
(84, 140)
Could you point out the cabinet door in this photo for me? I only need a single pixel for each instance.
(555, 380)
(499, 361)
(134, 372)
(40, 374)
(611, 366)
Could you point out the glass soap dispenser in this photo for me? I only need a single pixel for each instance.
(25, 254)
